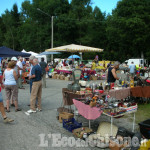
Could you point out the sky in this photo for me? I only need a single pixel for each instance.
(104, 5)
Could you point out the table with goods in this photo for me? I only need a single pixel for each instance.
(95, 99)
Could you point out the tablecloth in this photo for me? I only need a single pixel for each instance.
(90, 113)
(63, 71)
(89, 72)
(119, 94)
(140, 91)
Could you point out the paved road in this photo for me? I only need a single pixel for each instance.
(24, 133)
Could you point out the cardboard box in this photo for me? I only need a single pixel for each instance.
(62, 77)
(57, 76)
(65, 115)
(94, 77)
(80, 131)
(54, 76)
(67, 78)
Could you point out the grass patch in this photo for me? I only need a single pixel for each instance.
(143, 112)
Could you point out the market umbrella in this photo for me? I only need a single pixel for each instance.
(74, 56)
(74, 48)
(49, 53)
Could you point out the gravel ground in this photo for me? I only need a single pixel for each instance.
(23, 133)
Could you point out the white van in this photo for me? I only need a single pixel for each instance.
(138, 62)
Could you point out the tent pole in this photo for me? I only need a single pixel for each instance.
(80, 57)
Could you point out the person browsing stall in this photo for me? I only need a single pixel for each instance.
(11, 87)
(132, 69)
(20, 66)
(16, 68)
(43, 65)
(36, 76)
(112, 76)
(2, 108)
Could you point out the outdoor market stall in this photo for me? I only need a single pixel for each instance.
(114, 101)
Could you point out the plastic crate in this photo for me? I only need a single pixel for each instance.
(145, 128)
(71, 124)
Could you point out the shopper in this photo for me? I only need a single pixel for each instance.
(2, 109)
(36, 76)
(43, 65)
(16, 69)
(31, 66)
(112, 76)
(24, 62)
(11, 88)
(132, 69)
(19, 63)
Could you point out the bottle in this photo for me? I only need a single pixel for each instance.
(131, 83)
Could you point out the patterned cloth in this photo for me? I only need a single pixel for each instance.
(90, 113)
(119, 94)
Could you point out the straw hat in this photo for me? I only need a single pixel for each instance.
(104, 129)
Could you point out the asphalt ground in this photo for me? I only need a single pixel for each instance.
(24, 133)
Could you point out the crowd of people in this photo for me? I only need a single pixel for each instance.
(11, 81)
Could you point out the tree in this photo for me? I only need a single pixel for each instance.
(128, 29)
(11, 21)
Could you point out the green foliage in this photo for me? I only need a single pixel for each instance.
(128, 29)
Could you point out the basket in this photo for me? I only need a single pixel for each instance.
(65, 115)
(145, 128)
(80, 131)
(71, 124)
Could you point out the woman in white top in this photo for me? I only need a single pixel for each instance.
(11, 88)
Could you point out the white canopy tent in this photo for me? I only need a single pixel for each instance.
(30, 52)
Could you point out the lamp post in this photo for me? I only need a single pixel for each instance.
(52, 29)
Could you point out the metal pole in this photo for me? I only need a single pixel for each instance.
(111, 125)
(89, 124)
(51, 27)
(133, 122)
(52, 36)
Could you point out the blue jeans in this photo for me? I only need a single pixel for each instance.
(30, 85)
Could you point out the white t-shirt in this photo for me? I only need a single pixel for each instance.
(31, 66)
(19, 64)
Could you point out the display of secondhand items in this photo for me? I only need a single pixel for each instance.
(111, 106)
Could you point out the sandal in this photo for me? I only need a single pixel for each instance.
(13, 105)
(7, 110)
(18, 109)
